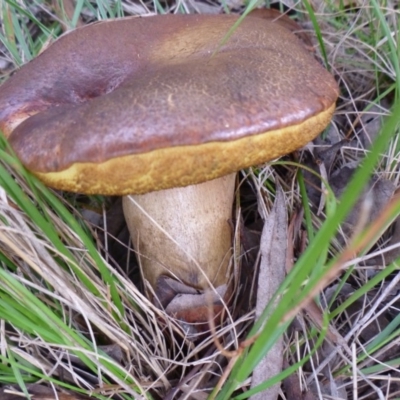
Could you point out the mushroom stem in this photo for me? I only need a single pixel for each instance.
(184, 233)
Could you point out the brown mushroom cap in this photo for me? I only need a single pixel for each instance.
(142, 104)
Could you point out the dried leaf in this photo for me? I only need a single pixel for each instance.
(371, 122)
(391, 255)
(273, 249)
(330, 388)
(320, 161)
(292, 388)
(373, 200)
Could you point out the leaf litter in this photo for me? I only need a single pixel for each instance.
(167, 362)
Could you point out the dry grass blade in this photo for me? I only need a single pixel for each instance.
(58, 310)
(39, 392)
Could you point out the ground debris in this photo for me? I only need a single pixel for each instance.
(38, 392)
(273, 249)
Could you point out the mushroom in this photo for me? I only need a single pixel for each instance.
(162, 111)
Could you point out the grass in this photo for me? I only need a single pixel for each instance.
(63, 299)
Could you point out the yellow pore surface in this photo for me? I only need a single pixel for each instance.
(184, 165)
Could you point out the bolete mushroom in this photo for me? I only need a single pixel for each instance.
(157, 106)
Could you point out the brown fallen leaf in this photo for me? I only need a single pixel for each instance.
(273, 249)
(391, 250)
(371, 122)
(373, 200)
(292, 388)
(330, 388)
(320, 160)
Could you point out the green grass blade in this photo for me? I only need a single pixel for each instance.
(309, 261)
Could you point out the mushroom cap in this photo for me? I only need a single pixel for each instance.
(142, 104)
